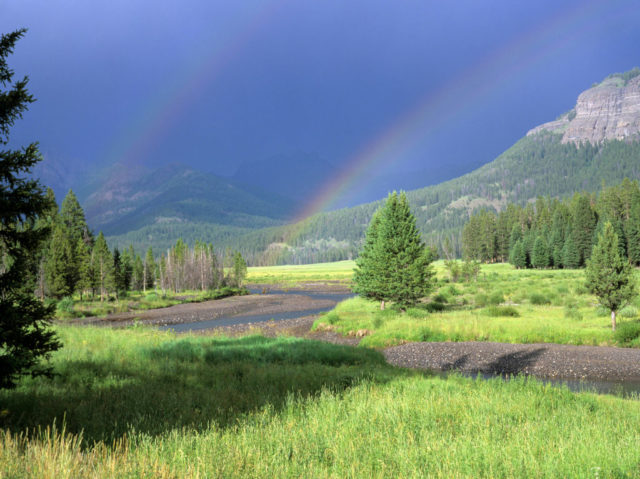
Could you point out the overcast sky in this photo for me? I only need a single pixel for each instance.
(213, 83)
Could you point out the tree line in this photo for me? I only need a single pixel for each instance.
(74, 261)
(552, 233)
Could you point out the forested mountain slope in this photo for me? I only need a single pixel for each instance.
(174, 200)
(595, 142)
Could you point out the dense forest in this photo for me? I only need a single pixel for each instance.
(75, 261)
(555, 233)
(537, 165)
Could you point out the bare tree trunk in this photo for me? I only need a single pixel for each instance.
(613, 320)
(382, 305)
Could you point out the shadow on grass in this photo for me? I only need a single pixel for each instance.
(188, 383)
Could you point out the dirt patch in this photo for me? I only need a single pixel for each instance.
(540, 360)
(235, 306)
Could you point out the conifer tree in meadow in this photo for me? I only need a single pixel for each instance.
(570, 254)
(25, 338)
(397, 256)
(239, 269)
(608, 275)
(367, 276)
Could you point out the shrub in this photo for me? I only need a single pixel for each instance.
(498, 311)
(435, 307)
(627, 332)
(538, 299)
(332, 318)
(629, 312)
(581, 289)
(572, 312)
(428, 335)
(496, 298)
(65, 305)
(451, 290)
(481, 300)
(441, 298)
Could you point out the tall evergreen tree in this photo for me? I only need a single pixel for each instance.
(25, 338)
(540, 257)
(60, 268)
(608, 275)
(239, 269)
(149, 270)
(583, 227)
(367, 275)
(570, 254)
(404, 262)
(118, 278)
(518, 255)
(103, 266)
(137, 275)
(86, 274)
(633, 234)
(127, 269)
(72, 217)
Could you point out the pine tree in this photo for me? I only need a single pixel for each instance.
(633, 234)
(540, 257)
(72, 217)
(608, 275)
(24, 335)
(583, 227)
(367, 276)
(137, 275)
(400, 255)
(60, 268)
(85, 271)
(518, 256)
(570, 254)
(117, 272)
(103, 266)
(126, 270)
(239, 269)
(149, 270)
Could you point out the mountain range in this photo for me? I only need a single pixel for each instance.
(595, 141)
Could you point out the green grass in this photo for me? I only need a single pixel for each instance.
(293, 275)
(143, 403)
(504, 305)
(136, 301)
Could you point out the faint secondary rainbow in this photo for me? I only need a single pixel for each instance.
(437, 107)
(154, 120)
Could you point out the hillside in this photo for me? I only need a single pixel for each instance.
(158, 206)
(595, 142)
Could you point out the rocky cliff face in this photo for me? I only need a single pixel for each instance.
(608, 111)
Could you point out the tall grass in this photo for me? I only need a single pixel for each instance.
(504, 305)
(139, 403)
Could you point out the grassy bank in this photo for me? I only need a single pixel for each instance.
(294, 275)
(503, 305)
(136, 301)
(141, 403)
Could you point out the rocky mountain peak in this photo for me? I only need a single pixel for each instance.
(607, 111)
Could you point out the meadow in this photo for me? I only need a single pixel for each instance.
(144, 403)
(503, 304)
(295, 275)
